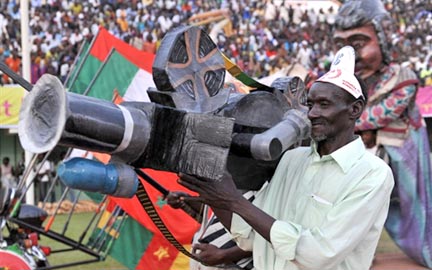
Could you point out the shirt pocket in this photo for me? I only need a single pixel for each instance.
(316, 210)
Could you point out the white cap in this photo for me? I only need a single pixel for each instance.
(342, 72)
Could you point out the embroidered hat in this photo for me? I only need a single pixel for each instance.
(342, 72)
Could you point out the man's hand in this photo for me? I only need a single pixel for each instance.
(216, 193)
(212, 255)
(209, 254)
(173, 199)
(225, 199)
(176, 200)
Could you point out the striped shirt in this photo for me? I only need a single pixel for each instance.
(214, 233)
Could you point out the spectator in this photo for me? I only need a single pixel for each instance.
(14, 63)
(43, 178)
(20, 167)
(7, 173)
(278, 22)
(369, 140)
(35, 69)
(426, 74)
(71, 192)
(149, 45)
(304, 55)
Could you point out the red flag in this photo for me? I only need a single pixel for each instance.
(172, 218)
(105, 42)
(160, 254)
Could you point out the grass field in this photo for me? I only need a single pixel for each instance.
(77, 224)
(76, 227)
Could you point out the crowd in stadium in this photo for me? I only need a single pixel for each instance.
(260, 36)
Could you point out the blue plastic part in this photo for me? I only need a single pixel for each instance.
(88, 175)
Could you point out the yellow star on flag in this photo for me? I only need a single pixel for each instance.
(161, 253)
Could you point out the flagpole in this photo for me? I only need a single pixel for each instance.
(83, 45)
(25, 58)
(92, 82)
(25, 41)
(80, 66)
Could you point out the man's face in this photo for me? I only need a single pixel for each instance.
(369, 138)
(6, 161)
(365, 42)
(328, 111)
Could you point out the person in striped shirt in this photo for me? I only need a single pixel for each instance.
(212, 243)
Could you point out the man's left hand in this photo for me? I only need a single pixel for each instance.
(209, 254)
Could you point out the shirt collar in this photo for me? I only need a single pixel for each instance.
(345, 156)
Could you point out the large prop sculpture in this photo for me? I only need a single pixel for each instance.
(193, 125)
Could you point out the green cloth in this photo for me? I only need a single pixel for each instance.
(116, 73)
(329, 210)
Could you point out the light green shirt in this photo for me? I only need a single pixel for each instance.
(329, 211)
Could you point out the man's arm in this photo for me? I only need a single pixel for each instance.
(255, 217)
(225, 199)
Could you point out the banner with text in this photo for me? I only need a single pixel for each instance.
(10, 103)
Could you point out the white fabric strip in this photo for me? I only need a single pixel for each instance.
(129, 126)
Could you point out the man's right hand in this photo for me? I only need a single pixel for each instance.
(212, 255)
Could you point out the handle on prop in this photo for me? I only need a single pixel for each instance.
(49, 223)
(152, 182)
(186, 207)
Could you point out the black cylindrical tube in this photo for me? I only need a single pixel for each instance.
(92, 124)
(240, 144)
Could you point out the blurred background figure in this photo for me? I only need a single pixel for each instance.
(43, 178)
(7, 173)
(20, 167)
